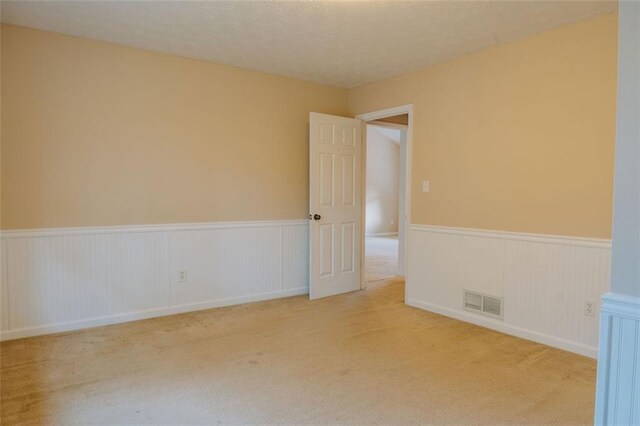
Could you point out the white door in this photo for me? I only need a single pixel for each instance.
(335, 194)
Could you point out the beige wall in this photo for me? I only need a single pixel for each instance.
(98, 134)
(516, 138)
(383, 157)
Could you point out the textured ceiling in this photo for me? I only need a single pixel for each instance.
(338, 43)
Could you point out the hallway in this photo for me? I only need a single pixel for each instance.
(381, 258)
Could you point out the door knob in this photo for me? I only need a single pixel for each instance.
(317, 217)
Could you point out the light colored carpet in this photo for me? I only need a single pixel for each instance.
(381, 258)
(359, 358)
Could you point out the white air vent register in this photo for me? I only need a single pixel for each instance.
(483, 304)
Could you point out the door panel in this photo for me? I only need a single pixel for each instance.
(348, 244)
(335, 196)
(326, 249)
(326, 180)
(348, 180)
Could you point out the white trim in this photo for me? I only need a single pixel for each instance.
(618, 360)
(521, 236)
(94, 230)
(621, 305)
(151, 313)
(382, 234)
(388, 112)
(373, 116)
(363, 206)
(500, 326)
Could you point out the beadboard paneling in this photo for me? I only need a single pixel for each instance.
(4, 299)
(618, 389)
(56, 280)
(226, 263)
(545, 280)
(442, 265)
(295, 256)
(549, 284)
(63, 279)
(59, 280)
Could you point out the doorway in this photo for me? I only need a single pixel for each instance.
(387, 139)
(382, 201)
(337, 202)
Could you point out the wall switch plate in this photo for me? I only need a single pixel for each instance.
(425, 186)
(182, 276)
(590, 308)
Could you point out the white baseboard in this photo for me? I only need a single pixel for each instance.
(55, 280)
(151, 313)
(618, 386)
(500, 326)
(383, 234)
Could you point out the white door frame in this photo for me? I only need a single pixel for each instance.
(377, 115)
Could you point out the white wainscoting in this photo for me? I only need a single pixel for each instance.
(618, 389)
(544, 280)
(65, 279)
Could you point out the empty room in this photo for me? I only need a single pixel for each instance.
(320, 212)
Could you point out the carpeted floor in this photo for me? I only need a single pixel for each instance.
(381, 258)
(359, 358)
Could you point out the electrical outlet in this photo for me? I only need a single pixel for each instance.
(182, 276)
(590, 308)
